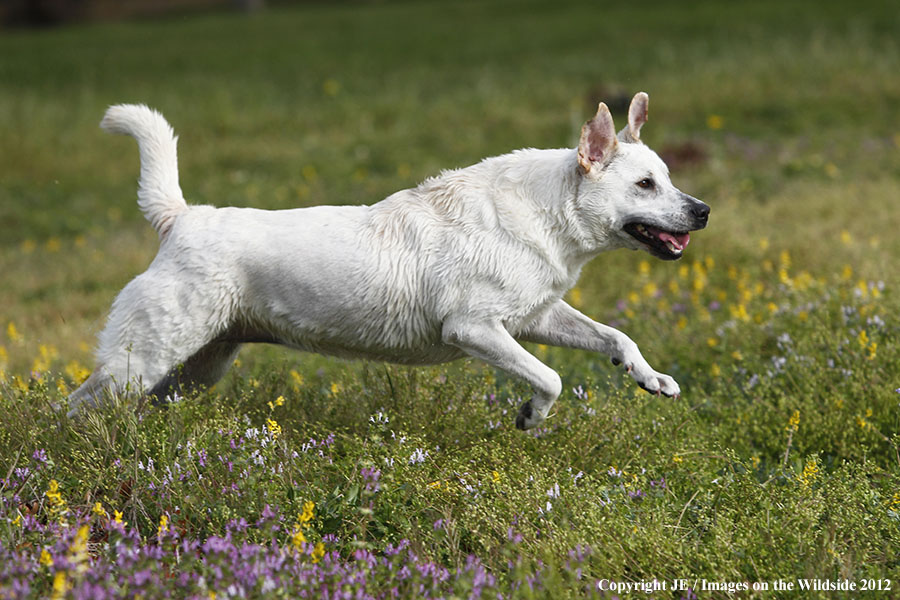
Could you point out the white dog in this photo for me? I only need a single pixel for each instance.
(466, 264)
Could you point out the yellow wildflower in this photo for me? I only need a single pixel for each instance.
(46, 355)
(895, 501)
(20, 384)
(784, 278)
(298, 539)
(12, 333)
(863, 338)
(335, 388)
(873, 347)
(77, 372)
(45, 558)
(296, 379)
(117, 517)
(754, 460)
(739, 312)
(732, 272)
(793, 422)
(677, 459)
(715, 370)
(273, 428)
(99, 510)
(307, 515)
(163, 525)
(60, 585)
(715, 122)
(78, 553)
(810, 472)
(318, 552)
(644, 267)
(785, 259)
(495, 476)
(434, 485)
(17, 521)
(56, 503)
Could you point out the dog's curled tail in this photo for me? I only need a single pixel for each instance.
(159, 195)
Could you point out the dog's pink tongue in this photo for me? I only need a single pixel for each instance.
(680, 241)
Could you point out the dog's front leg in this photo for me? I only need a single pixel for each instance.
(562, 325)
(492, 343)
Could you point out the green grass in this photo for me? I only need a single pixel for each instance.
(780, 461)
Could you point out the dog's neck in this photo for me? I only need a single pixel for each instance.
(546, 186)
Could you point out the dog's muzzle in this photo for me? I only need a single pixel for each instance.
(665, 243)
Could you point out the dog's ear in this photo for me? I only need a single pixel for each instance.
(637, 116)
(598, 141)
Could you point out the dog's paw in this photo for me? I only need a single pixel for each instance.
(528, 417)
(650, 380)
(662, 384)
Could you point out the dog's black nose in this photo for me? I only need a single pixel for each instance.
(700, 210)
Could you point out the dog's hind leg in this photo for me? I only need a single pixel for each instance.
(157, 323)
(92, 389)
(203, 369)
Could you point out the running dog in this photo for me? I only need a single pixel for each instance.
(469, 263)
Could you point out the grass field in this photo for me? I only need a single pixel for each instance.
(302, 476)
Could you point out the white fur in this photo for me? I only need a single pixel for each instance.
(464, 264)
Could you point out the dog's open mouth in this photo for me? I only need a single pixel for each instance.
(667, 245)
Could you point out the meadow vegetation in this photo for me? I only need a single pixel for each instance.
(303, 476)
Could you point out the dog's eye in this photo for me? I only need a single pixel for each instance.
(646, 184)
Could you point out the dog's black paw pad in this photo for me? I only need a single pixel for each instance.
(524, 416)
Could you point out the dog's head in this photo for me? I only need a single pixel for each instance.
(626, 196)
